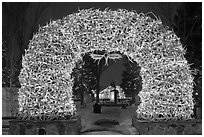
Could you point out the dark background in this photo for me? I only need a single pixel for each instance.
(21, 20)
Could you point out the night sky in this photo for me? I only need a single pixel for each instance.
(58, 10)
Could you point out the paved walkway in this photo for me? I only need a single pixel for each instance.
(123, 116)
(102, 133)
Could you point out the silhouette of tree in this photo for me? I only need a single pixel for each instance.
(131, 81)
(188, 26)
(19, 21)
(84, 75)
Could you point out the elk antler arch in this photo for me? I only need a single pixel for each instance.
(46, 83)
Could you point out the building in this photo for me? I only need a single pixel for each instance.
(108, 93)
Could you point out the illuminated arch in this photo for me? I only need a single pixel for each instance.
(46, 84)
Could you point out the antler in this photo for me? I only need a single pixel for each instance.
(107, 56)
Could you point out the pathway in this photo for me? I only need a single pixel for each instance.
(102, 133)
(123, 116)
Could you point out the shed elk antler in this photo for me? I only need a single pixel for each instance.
(107, 56)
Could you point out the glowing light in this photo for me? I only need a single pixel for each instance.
(46, 84)
(107, 94)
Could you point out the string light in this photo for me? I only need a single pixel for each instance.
(46, 84)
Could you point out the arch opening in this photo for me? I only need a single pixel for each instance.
(89, 77)
(46, 83)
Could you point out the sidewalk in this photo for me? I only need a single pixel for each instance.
(123, 116)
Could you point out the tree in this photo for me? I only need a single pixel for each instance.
(187, 25)
(5, 69)
(131, 81)
(20, 21)
(84, 77)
